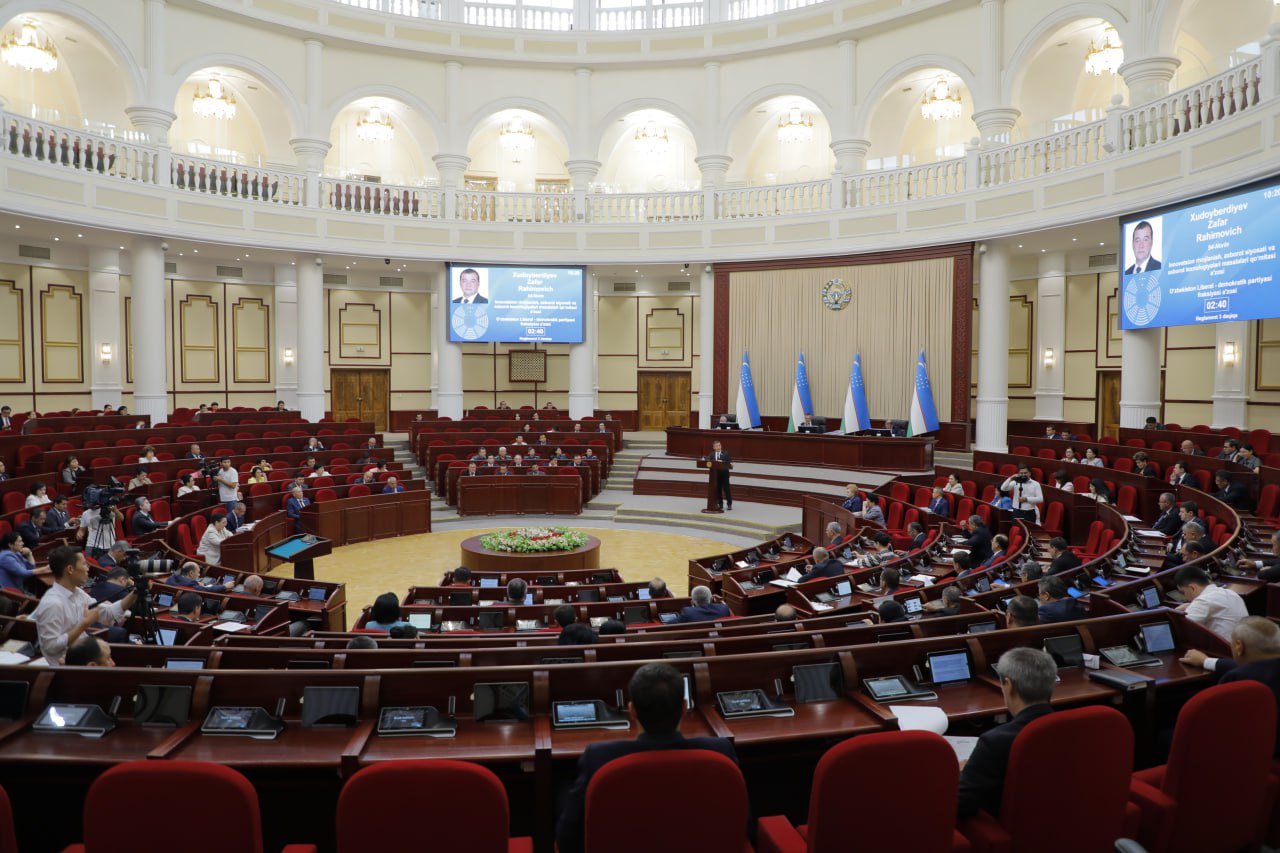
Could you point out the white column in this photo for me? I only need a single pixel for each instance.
(1051, 334)
(150, 359)
(447, 392)
(451, 165)
(286, 355)
(1148, 79)
(105, 326)
(993, 350)
(582, 164)
(1231, 380)
(706, 346)
(311, 336)
(312, 143)
(154, 117)
(1139, 377)
(582, 364)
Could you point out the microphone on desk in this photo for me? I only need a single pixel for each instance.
(280, 703)
(115, 705)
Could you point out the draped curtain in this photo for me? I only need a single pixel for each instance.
(896, 310)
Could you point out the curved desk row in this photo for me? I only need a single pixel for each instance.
(836, 451)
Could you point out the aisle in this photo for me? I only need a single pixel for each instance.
(393, 565)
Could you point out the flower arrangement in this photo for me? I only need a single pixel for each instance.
(534, 540)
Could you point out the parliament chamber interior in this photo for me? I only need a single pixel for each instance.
(713, 425)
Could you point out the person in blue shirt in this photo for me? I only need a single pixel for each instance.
(294, 506)
(385, 613)
(16, 562)
(938, 504)
(392, 487)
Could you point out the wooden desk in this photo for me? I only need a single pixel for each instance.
(835, 451)
(554, 494)
(475, 556)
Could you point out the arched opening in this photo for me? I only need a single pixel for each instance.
(902, 136)
(648, 151)
(229, 115)
(518, 151)
(1054, 91)
(1211, 40)
(782, 140)
(383, 140)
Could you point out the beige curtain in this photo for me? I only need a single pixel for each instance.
(896, 311)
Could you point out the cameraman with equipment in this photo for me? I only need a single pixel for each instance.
(66, 611)
(1026, 494)
(97, 528)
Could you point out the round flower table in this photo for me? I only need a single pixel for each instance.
(476, 556)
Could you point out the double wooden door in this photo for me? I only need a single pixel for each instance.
(664, 400)
(363, 394)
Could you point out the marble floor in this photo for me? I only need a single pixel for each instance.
(393, 565)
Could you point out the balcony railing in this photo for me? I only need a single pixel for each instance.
(1122, 132)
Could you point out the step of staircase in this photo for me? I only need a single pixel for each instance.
(713, 523)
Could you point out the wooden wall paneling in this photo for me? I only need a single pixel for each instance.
(61, 334)
(360, 331)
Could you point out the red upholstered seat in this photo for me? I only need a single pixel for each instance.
(198, 526)
(1206, 754)
(323, 495)
(113, 793)
(359, 490)
(1046, 754)
(673, 783)
(1052, 522)
(386, 807)
(853, 772)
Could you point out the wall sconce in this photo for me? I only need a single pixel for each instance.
(288, 357)
(1229, 354)
(1048, 357)
(105, 354)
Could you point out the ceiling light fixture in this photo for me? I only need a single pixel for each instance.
(215, 101)
(1106, 57)
(795, 126)
(516, 136)
(375, 126)
(24, 50)
(940, 103)
(652, 139)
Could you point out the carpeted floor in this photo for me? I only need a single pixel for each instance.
(394, 565)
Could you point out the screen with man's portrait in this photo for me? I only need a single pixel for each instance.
(509, 304)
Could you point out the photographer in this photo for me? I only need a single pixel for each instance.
(97, 528)
(67, 611)
(228, 480)
(1026, 494)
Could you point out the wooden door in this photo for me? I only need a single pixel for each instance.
(664, 400)
(363, 394)
(1109, 403)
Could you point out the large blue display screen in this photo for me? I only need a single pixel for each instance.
(1210, 261)
(515, 304)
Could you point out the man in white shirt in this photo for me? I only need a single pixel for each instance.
(97, 533)
(228, 480)
(1026, 494)
(66, 611)
(1214, 607)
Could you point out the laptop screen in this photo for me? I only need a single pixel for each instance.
(949, 667)
(488, 583)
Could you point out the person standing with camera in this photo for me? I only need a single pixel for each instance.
(1026, 494)
(97, 528)
(228, 480)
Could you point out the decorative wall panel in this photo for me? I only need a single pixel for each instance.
(62, 331)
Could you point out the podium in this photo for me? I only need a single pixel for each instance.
(301, 550)
(713, 474)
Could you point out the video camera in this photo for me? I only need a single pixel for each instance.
(141, 570)
(98, 497)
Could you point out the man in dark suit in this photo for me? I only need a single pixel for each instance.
(1026, 680)
(1190, 448)
(918, 535)
(1270, 573)
(31, 529)
(1056, 605)
(6, 418)
(1061, 557)
(114, 555)
(472, 471)
(294, 506)
(194, 453)
(112, 586)
(657, 701)
(58, 516)
(724, 495)
(1168, 522)
(1180, 476)
(143, 522)
(938, 503)
(823, 566)
(703, 609)
(1232, 493)
(1143, 240)
(979, 542)
(1255, 656)
(188, 575)
(236, 518)
(1000, 544)
(469, 284)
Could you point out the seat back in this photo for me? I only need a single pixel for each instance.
(1046, 756)
(1053, 518)
(673, 783)
(122, 786)
(8, 840)
(1205, 752)
(386, 806)
(853, 772)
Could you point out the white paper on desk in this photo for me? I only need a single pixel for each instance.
(793, 574)
(819, 606)
(782, 582)
(232, 627)
(1141, 532)
(962, 745)
(920, 718)
(12, 659)
(742, 564)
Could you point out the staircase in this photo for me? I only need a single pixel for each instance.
(402, 451)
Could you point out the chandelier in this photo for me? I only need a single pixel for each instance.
(940, 103)
(24, 50)
(652, 139)
(516, 136)
(214, 102)
(795, 126)
(1107, 57)
(375, 126)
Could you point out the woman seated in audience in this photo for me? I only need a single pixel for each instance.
(280, 406)
(187, 484)
(385, 613)
(1069, 455)
(256, 475)
(1098, 491)
(148, 456)
(953, 485)
(210, 547)
(1062, 480)
(140, 480)
(1091, 457)
(71, 471)
(852, 500)
(38, 495)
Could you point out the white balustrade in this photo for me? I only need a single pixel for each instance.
(1056, 153)
(930, 180)
(782, 200)
(518, 15)
(77, 149)
(381, 199)
(740, 9)
(254, 183)
(1190, 109)
(486, 206)
(618, 208)
(406, 8)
